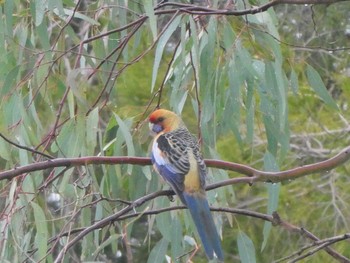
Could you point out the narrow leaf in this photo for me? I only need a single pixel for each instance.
(40, 8)
(294, 82)
(10, 80)
(176, 238)
(270, 164)
(158, 252)
(111, 239)
(160, 47)
(148, 4)
(163, 219)
(127, 137)
(318, 86)
(41, 230)
(91, 131)
(69, 13)
(246, 248)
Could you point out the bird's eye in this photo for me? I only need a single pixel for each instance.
(160, 119)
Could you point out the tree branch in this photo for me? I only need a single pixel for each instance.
(274, 219)
(200, 10)
(253, 174)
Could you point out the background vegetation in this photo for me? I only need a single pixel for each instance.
(264, 84)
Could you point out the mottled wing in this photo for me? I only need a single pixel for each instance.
(170, 155)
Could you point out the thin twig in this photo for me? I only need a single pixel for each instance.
(199, 105)
(26, 148)
(166, 75)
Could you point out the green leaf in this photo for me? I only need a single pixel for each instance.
(229, 37)
(122, 14)
(88, 245)
(267, 20)
(22, 34)
(147, 172)
(176, 238)
(244, 60)
(69, 142)
(160, 48)
(148, 4)
(250, 106)
(41, 231)
(2, 30)
(9, 11)
(246, 248)
(91, 130)
(40, 8)
(179, 106)
(71, 102)
(44, 37)
(318, 86)
(125, 130)
(10, 80)
(68, 13)
(281, 96)
(294, 82)
(22, 138)
(56, 5)
(158, 252)
(270, 164)
(34, 112)
(111, 239)
(5, 150)
(194, 47)
(163, 219)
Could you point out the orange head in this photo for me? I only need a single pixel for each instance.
(164, 121)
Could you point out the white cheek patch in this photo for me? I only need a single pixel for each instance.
(158, 155)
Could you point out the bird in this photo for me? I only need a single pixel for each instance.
(176, 156)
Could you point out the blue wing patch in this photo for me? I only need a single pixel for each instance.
(174, 179)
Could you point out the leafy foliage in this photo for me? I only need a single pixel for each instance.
(256, 85)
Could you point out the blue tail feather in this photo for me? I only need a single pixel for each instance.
(200, 212)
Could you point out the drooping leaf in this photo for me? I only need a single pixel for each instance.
(148, 4)
(92, 130)
(163, 219)
(41, 230)
(125, 130)
(10, 80)
(160, 48)
(318, 86)
(111, 239)
(246, 248)
(40, 8)
(176, 238)
(159, 251)
(294, 81)
(270, 164)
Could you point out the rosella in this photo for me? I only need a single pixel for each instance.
(177, 158)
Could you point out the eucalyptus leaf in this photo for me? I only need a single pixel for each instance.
(160, 47)
(158, 252)
(294, 81)
(148, 5)
(270, 164)
(40, 9)
(318, 86)
(246, 248)
(41, 231)
(125, 130)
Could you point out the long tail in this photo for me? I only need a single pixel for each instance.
(200, 212)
